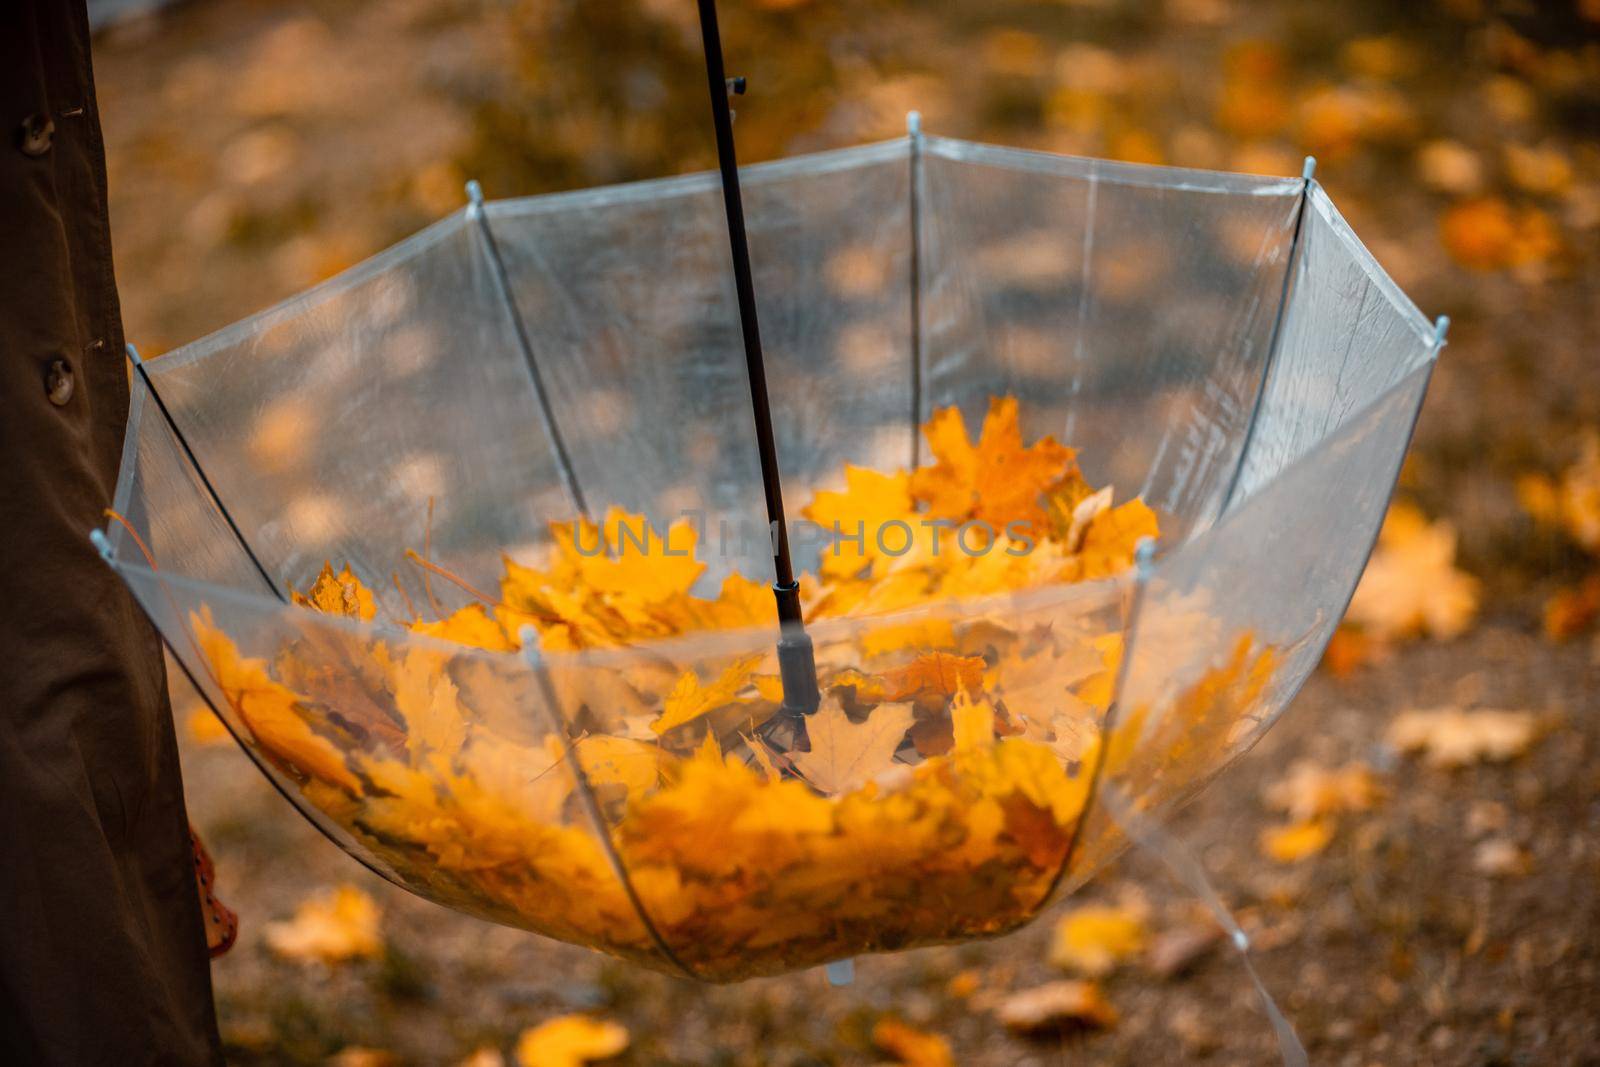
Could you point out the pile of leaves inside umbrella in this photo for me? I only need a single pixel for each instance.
(933, 797)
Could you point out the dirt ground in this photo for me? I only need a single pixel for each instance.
(258, 147)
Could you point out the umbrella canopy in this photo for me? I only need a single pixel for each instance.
(537, 682)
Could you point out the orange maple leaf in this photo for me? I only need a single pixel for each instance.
(997, 480)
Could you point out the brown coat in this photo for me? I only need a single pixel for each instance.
(102, 952)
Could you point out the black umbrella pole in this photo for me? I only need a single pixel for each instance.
(796, 658)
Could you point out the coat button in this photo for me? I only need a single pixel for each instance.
(37, 130)
(58, 383)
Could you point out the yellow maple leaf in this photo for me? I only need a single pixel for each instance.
(640, 563)
(571, 1041)
(1094, 938)
(269, 710)
(338, 594)
(634, 765)
(426, 699)
(847, 755)
(471, 625)
(998, 480)
(857, 518)
(689, 699)
(1412, 587)
(937, 673)
(329, 928)
(1109, 542)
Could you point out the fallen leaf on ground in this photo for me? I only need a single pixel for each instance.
(1488, 234)
(1174, 951)
(1571, 501)
(1451, 737)
(359, 1056)
(910, 1046)
(1569, 612)
(1295, 841)
(1310, 791)
(1501, 858)
(1094, 938)
(1411, 587)
(330, 927)
(570, 1041)
(963, 984)
(1056, 1007)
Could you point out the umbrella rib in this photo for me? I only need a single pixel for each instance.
(502, 279)
(103, 546)
(1144, 569)
(205, 482)
(914, 134)
(1275, 340)
(552, 703)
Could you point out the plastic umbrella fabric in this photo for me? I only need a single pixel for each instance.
(1218, 346)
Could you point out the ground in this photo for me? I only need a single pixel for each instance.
(256, 148)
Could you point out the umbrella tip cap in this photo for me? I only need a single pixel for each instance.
(1309, 170)
(1144, 558)
(133, 354)
(841, 972)
(914, 123)
(1441, 327)
(529, 638)
(102, 544)
(475, 194)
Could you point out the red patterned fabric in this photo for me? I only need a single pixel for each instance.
(222, 925)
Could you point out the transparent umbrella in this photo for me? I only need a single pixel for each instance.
(538, 682)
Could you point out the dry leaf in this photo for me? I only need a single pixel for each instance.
(1569, 612)
(570, 1041)
(1094, 938)
(689, 699)
(331, 927)
(1174, 951)
(910, 1046)
(1570, 502)
(963, 984)
(1488, 234)
(846, 755)
(1451, 737)
(1501, 858)
(1056, 1007)
(998, 480)
(1296, 841)
(1411, 586)
(1450, 167)
(1310, 791)
(359, 1056)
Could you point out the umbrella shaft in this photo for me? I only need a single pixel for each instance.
(733, 203)
(796, 659)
